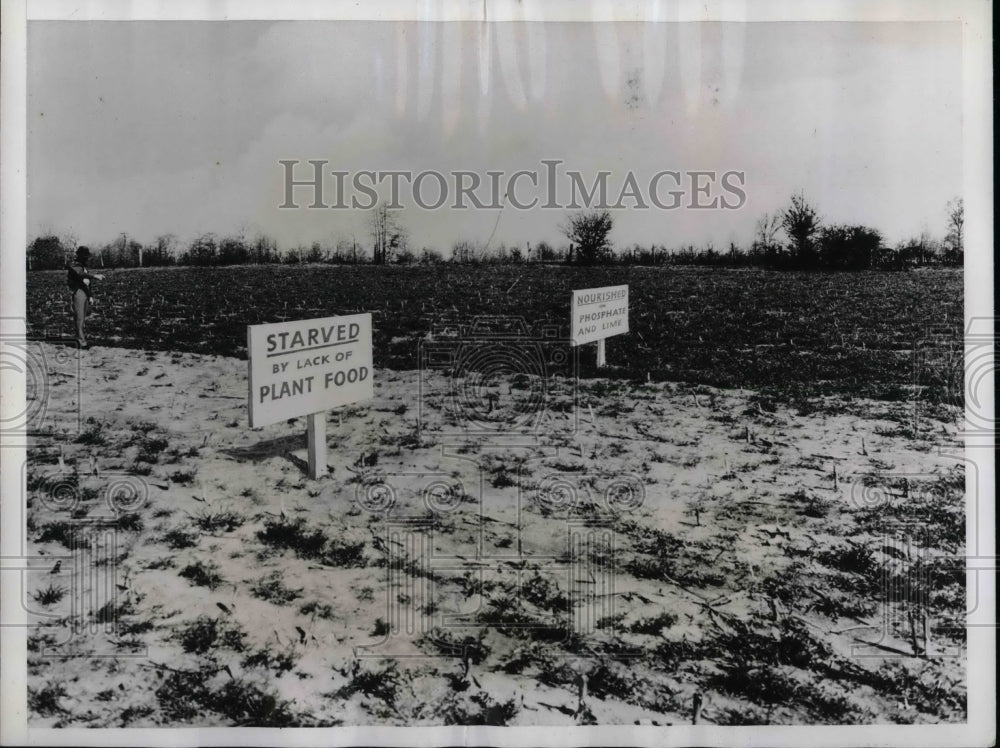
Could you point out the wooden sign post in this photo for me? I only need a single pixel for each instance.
(316, 439)
(305, 368)
(597, 314)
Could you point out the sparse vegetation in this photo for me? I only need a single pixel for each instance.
(60, 531)
(92, 434)
(186, 696)
(180, 537)
(478, 709)
(203, 574)
(655, 625)
(311, 543)
(318, 609)
(151, 447)
(273, 589)
(46, 701)
(382, 684)
(211, 521)
(205, 634)
(49, 595)
(746, 573)
(183, 477)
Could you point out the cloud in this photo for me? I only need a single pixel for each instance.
(178, 127)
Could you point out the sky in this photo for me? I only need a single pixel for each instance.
(150, 128)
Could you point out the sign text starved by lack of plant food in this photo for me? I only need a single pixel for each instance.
(308, 366)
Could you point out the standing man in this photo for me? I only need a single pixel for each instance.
(78, 280)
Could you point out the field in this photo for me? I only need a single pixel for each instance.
(746, 520)
(796, 333)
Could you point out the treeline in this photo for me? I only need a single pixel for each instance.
(51, 252)
(791, 239)
(836, 248)
(809, 244)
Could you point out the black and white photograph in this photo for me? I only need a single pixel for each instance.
(438, 375)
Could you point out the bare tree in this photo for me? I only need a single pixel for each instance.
(954, 240)
(589, 231)
(164, 251)
(465, 252)
(316, 253)
(264, 249)
(387, 234)
(544, 252)
(765, 238)
(204, 250)
(430, 256)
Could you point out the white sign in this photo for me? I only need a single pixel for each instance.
(308, 366)
(599, 313)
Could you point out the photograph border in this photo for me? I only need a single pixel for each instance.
(977, 93)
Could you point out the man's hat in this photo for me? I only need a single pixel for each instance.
(83, 252)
